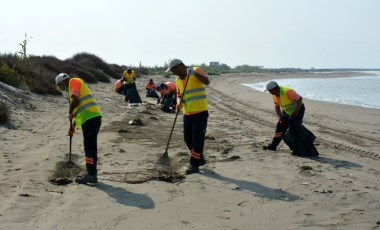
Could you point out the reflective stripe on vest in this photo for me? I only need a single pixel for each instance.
(83, 107)
(195, 99)
(87, 108)
(287, 105)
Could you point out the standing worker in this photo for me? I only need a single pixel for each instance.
(195, 109)
(128, 79)
(87, 115)
(288, 105)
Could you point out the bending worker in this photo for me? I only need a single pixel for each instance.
(87, 115)
(288, 105)
(168, 96)
(191, 84)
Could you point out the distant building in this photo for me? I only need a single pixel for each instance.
(214, 63)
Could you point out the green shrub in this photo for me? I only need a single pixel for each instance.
(212, 73)
(10, 76)
(142, 71)
(118, 70)
(166, 75)
(93, 61)
(4, 112)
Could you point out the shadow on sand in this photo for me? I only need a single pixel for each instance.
(124, 197)
(258, 189)
(336, 163)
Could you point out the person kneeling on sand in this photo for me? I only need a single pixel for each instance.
(150, 88)
(191, 96)
(87, 115)
(168, 96)
(288, 105)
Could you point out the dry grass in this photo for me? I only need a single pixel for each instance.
(38, 73)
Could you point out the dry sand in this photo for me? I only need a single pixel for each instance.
(241, 187)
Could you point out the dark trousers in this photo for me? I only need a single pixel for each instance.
(131, 93)
(170, 101)
(152, 93)
(194, 130)
(90, 136)
(281, 128)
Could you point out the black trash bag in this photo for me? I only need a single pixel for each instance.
(300, 140)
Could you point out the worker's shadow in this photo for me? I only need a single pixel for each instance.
(127, 198)
(336, 163)
(258, 189)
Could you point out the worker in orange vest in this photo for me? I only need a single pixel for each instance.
(150, 88)
(168, 96)
(191, 97)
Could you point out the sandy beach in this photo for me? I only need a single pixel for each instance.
(241, 186)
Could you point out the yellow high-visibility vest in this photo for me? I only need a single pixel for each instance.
(287, 104)
(195, 99)
(87, 108)
(129, 78)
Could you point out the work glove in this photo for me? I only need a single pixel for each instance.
(71, 131)
(191, 71)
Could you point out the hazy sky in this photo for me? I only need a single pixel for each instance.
(269, 33)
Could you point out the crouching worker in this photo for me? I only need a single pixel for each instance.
(118, 88)
(168, 96)
(288, 105)
(150, 88)
(191, 96)
(86, 113)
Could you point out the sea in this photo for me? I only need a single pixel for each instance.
(363, 90)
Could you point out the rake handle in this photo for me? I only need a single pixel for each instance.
(71, 141)
(176, 115)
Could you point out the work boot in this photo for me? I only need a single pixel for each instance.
(191, 169)
(269, 147)
(87, 179)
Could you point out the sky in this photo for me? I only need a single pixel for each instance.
(268, 33)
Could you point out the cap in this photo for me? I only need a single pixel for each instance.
(150, 80)
(270, 85)
(173, 62)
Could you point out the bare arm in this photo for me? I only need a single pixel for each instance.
(74, 103)
(202, 78)
(299, 104)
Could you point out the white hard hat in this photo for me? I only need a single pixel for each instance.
(270, 85)
(61, 77)
(173, 62)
